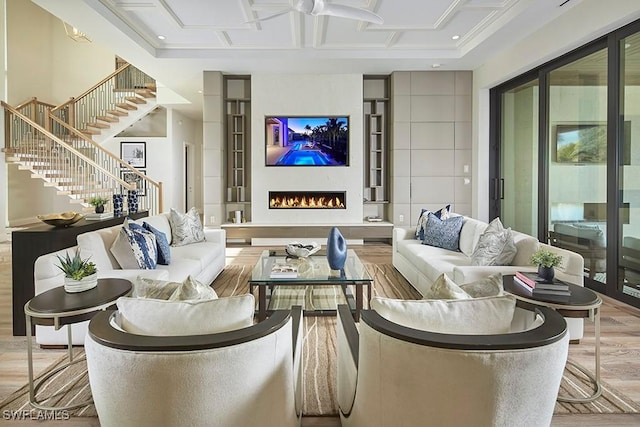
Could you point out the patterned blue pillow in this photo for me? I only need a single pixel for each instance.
(443, 233)
(185, 228)
(143, 247)
(164, 251)
(442, 213)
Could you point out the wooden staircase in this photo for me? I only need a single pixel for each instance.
(60, 144)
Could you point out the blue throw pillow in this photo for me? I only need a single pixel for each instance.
(442, 213)
(443, 233)
(164, 251)
(143, 246)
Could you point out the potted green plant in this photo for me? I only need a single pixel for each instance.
(79, 274)
(98, 202)
(546, 260)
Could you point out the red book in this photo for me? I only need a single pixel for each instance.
(526, 280)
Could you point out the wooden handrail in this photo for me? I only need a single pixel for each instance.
(90, 141)
(33, 100)
(94, 87)
(67, 146)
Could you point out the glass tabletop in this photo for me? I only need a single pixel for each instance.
(278, 267)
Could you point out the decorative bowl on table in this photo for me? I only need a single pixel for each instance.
(298, 250)
(63, 219)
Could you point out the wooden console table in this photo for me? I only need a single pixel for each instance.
(28, 244)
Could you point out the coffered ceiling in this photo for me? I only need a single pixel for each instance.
(162, 36)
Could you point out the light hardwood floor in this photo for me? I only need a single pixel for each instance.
(620, 339)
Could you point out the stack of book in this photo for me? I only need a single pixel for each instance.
(283, 271)
(537, 286)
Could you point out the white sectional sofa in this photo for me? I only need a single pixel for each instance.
(202, 260)
(422, 264)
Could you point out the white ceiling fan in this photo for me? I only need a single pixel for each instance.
(320, 7)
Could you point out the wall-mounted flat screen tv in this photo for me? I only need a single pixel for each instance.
(307, 141)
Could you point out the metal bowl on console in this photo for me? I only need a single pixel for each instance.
(63, 219)
(298, 250)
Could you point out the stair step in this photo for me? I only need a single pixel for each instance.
(108, 119)
(145, 93)
(126, 106)
(99, 125)
(135, 100)
(150, 86)
(118, 113)
(88, 131)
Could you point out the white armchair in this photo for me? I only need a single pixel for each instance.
(249, 376)
(390, 374)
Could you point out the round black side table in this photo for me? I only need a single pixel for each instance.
(57, 308)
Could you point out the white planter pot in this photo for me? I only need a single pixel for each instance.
(84, 284)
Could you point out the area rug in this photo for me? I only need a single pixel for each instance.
(319, 358)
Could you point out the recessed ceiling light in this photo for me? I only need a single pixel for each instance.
(161, 37)
(456, 37)
(435, 66)
(199, 91)
(627, 45)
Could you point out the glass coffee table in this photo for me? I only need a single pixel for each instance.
(314, 286)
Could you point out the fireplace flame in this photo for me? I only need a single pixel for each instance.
(310, 202)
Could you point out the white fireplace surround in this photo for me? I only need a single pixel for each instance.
(306, 95)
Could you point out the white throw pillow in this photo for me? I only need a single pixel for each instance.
(176, 318)
(190, 289)
(489, 286)
(185, 228)
(445, 288)
(476, 316)
(495, 247)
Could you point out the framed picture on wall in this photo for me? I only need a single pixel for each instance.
(130, 177)
(134, 153)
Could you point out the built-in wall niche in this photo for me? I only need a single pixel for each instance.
(237, 105)
(376, 93)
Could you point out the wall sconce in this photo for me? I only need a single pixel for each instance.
(75, 34)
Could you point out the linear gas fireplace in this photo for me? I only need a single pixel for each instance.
(307, 200)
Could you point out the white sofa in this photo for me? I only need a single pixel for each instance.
(202, 260)
(422, 264)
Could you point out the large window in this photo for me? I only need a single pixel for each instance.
(565, 158)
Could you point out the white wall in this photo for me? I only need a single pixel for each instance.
(313, 95)
(586, 21)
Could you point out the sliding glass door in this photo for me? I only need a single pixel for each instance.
(629, 168)
(565, 158)
(577, 160)
(517, 187)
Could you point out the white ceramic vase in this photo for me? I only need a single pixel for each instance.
(84, 284)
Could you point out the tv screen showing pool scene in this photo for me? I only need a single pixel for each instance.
(307, 141)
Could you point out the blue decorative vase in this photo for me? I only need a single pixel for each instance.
(117, 204)
(132, 201)
(336, 249)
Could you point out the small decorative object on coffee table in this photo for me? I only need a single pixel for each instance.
(298, 250)
(79, 274)
(98, 203)
(546, 260)
(336, 249)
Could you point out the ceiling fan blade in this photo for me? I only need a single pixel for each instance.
(275, 15)
(348, 12)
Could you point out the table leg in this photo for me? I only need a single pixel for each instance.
(356, 315)
(595, 380)
(32, 394)
(262, 302)
(70, 343)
